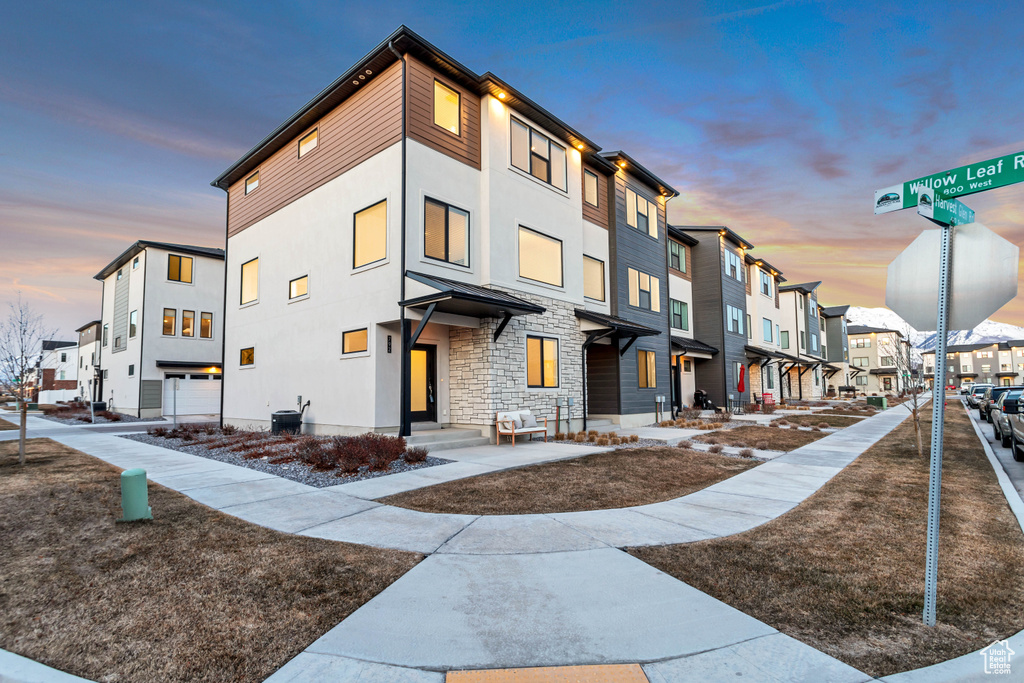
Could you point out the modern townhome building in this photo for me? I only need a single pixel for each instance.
(160, 335)
(835, 349)
(882, 357)
(58, 371)
(420, 244)
(89, 377)
(986, 362)
(765, 357)
(801, 342)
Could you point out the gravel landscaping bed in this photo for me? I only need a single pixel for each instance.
(100, 420)
(296, 471)
(642, 443)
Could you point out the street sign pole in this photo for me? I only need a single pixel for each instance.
(931, 570)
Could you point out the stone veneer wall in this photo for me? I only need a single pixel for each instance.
(487, 376)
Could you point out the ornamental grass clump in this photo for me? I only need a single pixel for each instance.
(746, 453)
(634, 438)
(717, 448)
(602, 441)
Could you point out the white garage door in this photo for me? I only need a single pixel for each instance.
(197, 395)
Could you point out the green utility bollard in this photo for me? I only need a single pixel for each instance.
(134, 496)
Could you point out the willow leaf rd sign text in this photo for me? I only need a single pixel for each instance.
(957, 182)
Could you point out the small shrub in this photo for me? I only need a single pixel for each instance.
(746, 453)
(614, 440)
(160, 432)
(311, 451)
(209, 429)
(415, 454)
(724, 416)
(762, 445)
(592, 432)
(571, 436)
(347, 457)
(84, 418)
(685, 444)
(591, 437)
(679, 423)
(815, 429)
(824, 425)
(187, 435)
(228, 430)
(634, 438)
(580, 437)
(611, 435)
(773, 424)
(717, 448)
(666, 423)
(690, 413)
(781, 423)
(559, 436)
(768, 408)
(603, 441)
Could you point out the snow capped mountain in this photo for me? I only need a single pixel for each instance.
(988, 331)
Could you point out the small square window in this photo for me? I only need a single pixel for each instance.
(446, 107)
(252, 182)
(593, 278)
(298, 287)
(119, 273)
(179, 268)
(354, 341)
(309, 142)
(247, 356)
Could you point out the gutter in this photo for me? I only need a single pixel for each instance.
(405, 390)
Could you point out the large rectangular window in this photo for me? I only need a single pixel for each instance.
(680, 315)
(540, 257)
(859, 361)
(446, 107)
(354, 341)
(133, 324)
(646, 369)
(733, 265)
(206, 326)
(445, 233)
(188, 323)
(179, 268)
(676, 256)
(593, 278)
(864, 343)
(370, 240)
(298, 287)
(170, 320)
(541, 362)
(250, 281)
(590, 188)
(734, 319)
(247, 356)
(644, 290)
(766, 329)
(309, 142)
(538, 155)
(641, 213)
(766, 283)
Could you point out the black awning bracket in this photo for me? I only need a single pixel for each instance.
(501, 326)
(423, 323)
(622, 351)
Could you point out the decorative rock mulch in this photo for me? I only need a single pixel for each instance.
(75, 422)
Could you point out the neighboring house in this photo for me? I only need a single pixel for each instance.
(687, 350)
(804, 371)
(986, 362)
(881, 357)
(836, 349)
(58, 371)
(423, 244)
(162, 317)
(765, 359)
(89, 378)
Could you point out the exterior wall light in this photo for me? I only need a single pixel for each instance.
(502, 96)
(622, 164)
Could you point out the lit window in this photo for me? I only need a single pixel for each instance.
(644, 290)
(540, 257)
(536, 154)
(353, 341)
(593, 278)
(298, 287)
(734, 319)
(252, 182)
(188, 323)
(247, 356)
(250, 281)
(179, 268)
(676, 256)
(206, 326)
(680, 315)
(646, 369)
(371, 235)
(445, 233)
(541, 362)
(641, 213)
(590, 188)
(309, 142)
(170, 319)
(446, 107)
(133, 323)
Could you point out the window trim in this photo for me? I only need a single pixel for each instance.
(458, 105)
(558, 361)
(597, 189)
(530, 130)
(740, 320)
(766, 279)
(651, 365)
(298, 297)
(241, 283)
(447, 232)
(387, 241)
(360, 352)
(133, 327)
(254, 174)
(298, 145)
(246, 366)
(604, 289)
(519, 258)
(636, 212)
(769, 337)
(192, 269)
(684, 316)
(655, 306)
(681, 248)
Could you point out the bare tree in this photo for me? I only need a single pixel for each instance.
(909, 381)
(21, 340)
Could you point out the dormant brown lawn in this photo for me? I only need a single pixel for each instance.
(620, 478)
(193, 595)
(754, 436)
(844, 571)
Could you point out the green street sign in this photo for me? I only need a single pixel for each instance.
(957, 182)
(943, 211)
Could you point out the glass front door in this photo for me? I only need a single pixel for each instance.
(423, 362)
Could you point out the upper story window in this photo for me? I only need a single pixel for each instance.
(252, 182)
(309, 142)
(641, 213)
(445, 233)
(644, 290)
(680, 315)
(677, 256)
(133, 324)
(590, 188)
(784, 339)
(766, 283)
(814, 342)
(446, 107)
(298, 287)
(179, 268)
(766, 329)
(250, 281)
(734, 319)
(862, 343)
(106, 331)
(984, 354)
(593, 278)
(540, 257)
(733, 265)
(170, 321)
(371, 235)
(135, 263)
(188, 323)
(119, 274)
(538, 155)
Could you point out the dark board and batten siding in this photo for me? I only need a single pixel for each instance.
(367, 123)
(465, 146)
(602, 379)
(598, 215)
(633, 249)
(709, 314)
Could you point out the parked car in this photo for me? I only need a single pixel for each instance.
(976, 392)
(965, 387)
(1005, 407)
(1017, 432)
(989, 398)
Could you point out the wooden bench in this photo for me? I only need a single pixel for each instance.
(505, 424)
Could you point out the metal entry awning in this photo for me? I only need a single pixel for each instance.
(693, 346)
(612, 327)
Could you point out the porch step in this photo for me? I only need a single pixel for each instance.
(446, 439)
(425, 426)
(600, 424)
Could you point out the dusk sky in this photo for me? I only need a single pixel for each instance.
(778, 120)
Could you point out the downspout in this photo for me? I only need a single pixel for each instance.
(97, 388)
(224, 311)
(405, 406)
(142, 341)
